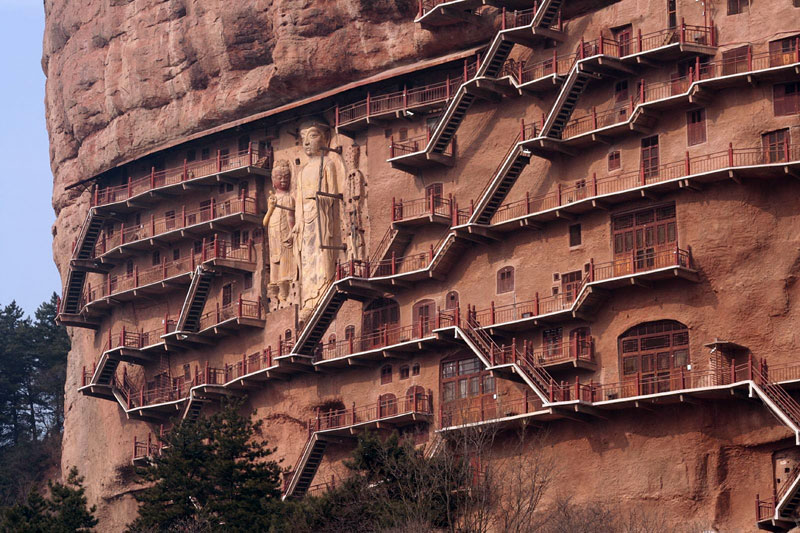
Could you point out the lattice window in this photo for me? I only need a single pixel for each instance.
(735, 61)
(575, 235)
(775, 144)
(650, 156)
(737, 6)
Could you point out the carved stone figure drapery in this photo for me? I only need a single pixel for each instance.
(317, 191)
(354, 204)
(280, 224)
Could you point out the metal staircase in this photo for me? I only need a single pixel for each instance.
(502, 181)
(73, 292)
(533, 374)
(87, 238)
(106, 370)
(306, 467)
(547, 13)
(195, 301)
(323, 315)
(193, 408)
(565, 103)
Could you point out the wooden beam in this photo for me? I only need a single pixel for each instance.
(735, 177)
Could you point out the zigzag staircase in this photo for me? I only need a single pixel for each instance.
(306, 467)
(394, 241)
(546, 15)
(451, 119)
(502, 180)
(534, 375)
(193, 408)
(786, 410)
(195, 301)
(324, 314)
(106, 370)
(562, 110)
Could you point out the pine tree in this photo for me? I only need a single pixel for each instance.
(64, 512)
(212, 469)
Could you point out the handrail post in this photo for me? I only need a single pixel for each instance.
(536, 304)
(730, 154)
(185, 173)
(594, 183)
(638, 383)
(219, 160)
(240, 305)
(687, 167)
(492, 312)
(639, 39)
(750, 366)
(683, 31)
(503, 22)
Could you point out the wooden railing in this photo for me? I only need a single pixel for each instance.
(180, 219)
(240, 308)
(620, 182)
(176, 175)
(386, 267)
(249, 364)
(342, 418)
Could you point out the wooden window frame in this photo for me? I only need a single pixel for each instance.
(451, 300)
(386, 374)
(505, 280)
(614, 160)
(734, 61)
(652, 363)
(227, 294)
(737, 7)
(775, 144)
(575, 235)
(786, 99)
(650, 156)
(696, 127)
(404, 372)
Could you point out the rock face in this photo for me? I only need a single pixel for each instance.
(125, 76)
(128, 77)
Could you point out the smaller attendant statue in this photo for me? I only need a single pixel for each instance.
(280, 228)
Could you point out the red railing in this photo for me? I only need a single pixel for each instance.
(178, 390)
(386, 336)
(389, 407)
(615, 183)
(179, 219)
(374, 105)
(649, 92)
(150, 447)
(386, 267)
(249, 364)
(138, 339)
(240, 308)
(432, 205)
(176, 175)
(210, 250)
(460, 413)
(413, 145)
(621, 266)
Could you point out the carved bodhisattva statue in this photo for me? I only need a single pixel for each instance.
(318, 196)
(281, 230)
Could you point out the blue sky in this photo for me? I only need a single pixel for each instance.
(27, 272)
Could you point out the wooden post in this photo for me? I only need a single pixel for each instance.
(491, 308)
(522, 129)
(730, 154)
(639, 39)
(687, 168)
(594, 183)
(536, 304)
(503, 23)
(185, 174)
(219, 160)
(683, 31)
(594, 118)
(240, 305)
(152, 177)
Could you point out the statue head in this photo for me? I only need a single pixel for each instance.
(315, 135)
(281, 175)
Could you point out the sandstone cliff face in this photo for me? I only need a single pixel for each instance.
(126, 76)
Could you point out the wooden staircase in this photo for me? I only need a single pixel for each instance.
(73, 292)
(306, 467)
(195, 301)
(87, 238)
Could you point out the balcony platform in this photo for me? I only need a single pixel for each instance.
(368, 356)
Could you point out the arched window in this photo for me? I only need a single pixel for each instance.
(386, 374)
(350, 332)
(380, 316)
(424, 314)
(387, 405)
(332, 339)
(451, 300)
(287, 335)
(416, 400)
(505, 280)
(652, 350)
(580, 343)
(415, 369)
(404, 371)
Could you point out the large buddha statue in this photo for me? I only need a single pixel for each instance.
(318, 195)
